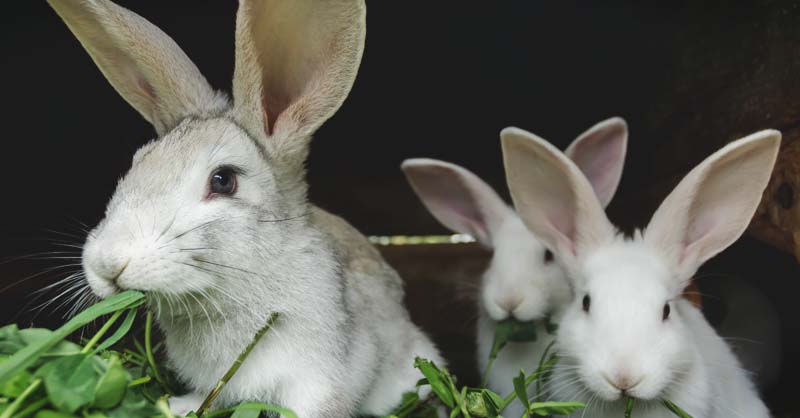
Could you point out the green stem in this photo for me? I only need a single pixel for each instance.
(163, 406)
(31, 409)
(528, 380)
(542, 361)
(8, 412)
(235, 366)
(629, 407)
(675, 409)
(148, 348)
(101, 332)
(139, 381)
(463, 402)
(486, 372)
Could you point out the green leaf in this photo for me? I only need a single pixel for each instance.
(675, 409)
(134, 405)
(554, 408)
(70, 382)
(28, 355)
(492, 402)
(46, 413)
(284, 412)
(512, 330)
(241, 412)
(119, 333)
(436, 380)
(521, 389)
(37, 335)
(10, 340)
(111, 387)
(16, 385)
(409, 402)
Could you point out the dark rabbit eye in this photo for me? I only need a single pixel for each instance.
(548, 256)
(223, 181)
(665, 314)
(587, 302)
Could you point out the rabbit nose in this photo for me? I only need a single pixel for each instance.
(509, 302)
(623, 381)
(111, 270)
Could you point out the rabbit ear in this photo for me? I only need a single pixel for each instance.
(712, 206)
(141, 62)
(600, 154)
(296, 61)
(457, 198)
(552, 196)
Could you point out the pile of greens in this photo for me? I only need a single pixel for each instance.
(481, 402)
(43, 375)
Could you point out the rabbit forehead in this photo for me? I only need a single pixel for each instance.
(626, 268)
(515, 244)
(517, 258)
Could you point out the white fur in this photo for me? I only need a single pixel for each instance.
(216, 267)
(623, 344)
(519, 282)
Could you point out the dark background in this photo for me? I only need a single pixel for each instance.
(438, 79)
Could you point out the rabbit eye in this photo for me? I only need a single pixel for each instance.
(587, 302)
(223, 181)
(665, 314)
(548, 256)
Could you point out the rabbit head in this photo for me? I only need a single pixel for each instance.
(221, 175)
(524, 279)
(627, 330)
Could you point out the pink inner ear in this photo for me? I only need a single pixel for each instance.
(600, 165)
(273, 105)
(146, 89)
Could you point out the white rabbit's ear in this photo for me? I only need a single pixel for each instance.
(552, 196)
(600, 154)
(141, 62)
(457, 198)
(296, 61)
(712, 206)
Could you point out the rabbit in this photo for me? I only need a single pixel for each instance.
(212, 221)
(627, 332)
(523, 279)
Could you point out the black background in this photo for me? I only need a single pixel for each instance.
(438, 79)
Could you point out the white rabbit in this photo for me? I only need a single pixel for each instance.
(628, 331)
(523, 279)
(212, 220)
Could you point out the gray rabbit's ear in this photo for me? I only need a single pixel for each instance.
(141, 62)
(296, 61)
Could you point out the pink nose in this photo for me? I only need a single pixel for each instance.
(623, 381)
(509, 303)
